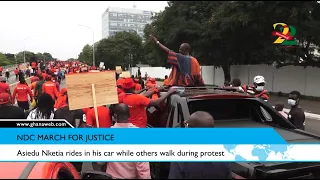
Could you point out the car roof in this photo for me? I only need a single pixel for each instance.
(210, 92)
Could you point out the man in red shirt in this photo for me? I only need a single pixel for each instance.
(138, 85)
(4, 87)
(34, 67)
(34, 78)
(138, 103)
(104, 117)
(1, 69)
(21, 92)
(50, 88)
(16, 72)
(44, 75)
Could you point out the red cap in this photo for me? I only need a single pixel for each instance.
(4, 98)
(128, 83)
(120, 82)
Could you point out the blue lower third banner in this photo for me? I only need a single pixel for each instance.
(151, 145)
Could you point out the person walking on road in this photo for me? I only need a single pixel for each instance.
(7, 74)
(126, 170)
(7, 110)
(16, 72)
(296, 115)
(38, 88)
(74, 117)
(50, 88)
(200, 170)
(1, 69)
(21, 75)
(166, 81)
(104, 117)
(22, 92)
(185, 68)
(4, 87)
(44, 109)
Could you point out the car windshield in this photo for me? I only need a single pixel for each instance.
(223, 109)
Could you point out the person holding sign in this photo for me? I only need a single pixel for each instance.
(138, 103)
(104, 117)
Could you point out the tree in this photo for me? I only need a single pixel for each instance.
(222, 33)
(47, 56)
(39, 56)
(3, 60)
(20, 57)
(10, 57)
(86, 54)
(124, 48)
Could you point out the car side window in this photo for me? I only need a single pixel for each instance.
(266, 115)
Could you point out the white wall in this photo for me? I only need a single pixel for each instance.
(285, 79)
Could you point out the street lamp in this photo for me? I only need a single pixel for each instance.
(24, 48)
(93, 58)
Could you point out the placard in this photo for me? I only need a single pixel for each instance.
(118, 69)
(101, 64)
(125, 74)
(23, 67)
(80, 89)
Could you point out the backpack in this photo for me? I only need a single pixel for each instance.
(39, 87)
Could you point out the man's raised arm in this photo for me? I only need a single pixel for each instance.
(154, 39)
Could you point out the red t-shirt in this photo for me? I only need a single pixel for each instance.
(105, 120)
(51, 89)
(120, 97)
(34, 78)
(44, 76)
(34, 65)
(137, 105)
(85, 110)
(16, 71)
(4, 87)
(138, 87)
(22, 90)
(1, 69)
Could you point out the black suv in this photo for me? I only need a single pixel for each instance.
(236, 110)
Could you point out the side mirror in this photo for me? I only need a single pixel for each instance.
(95, 175)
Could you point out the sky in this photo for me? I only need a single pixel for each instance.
(53, 26)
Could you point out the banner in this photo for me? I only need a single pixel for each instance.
(151, 145)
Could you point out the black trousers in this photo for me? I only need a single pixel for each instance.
(24, 105)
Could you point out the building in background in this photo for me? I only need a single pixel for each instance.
(124, 19)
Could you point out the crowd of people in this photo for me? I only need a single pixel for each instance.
(135, 94)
